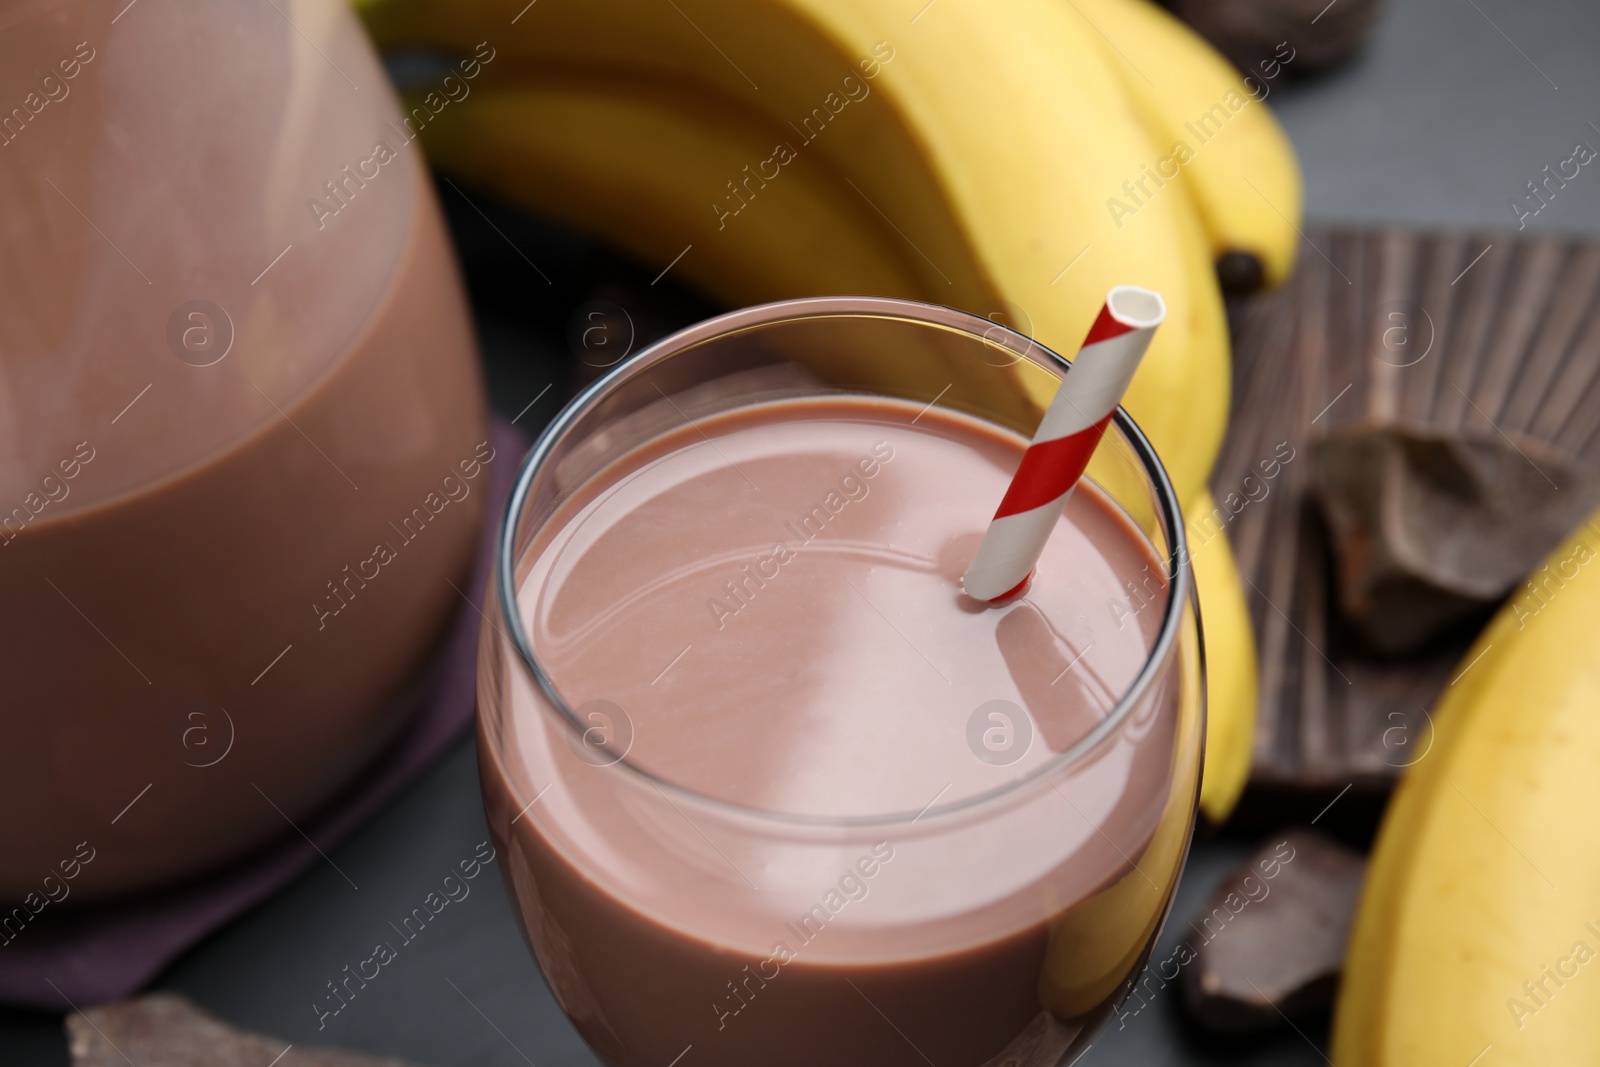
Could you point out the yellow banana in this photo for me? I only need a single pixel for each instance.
(1479, 928)
(1216, 135)
(965, 133)
(1230, 667)
(635, 165)
(628, 162)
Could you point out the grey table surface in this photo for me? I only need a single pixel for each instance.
(1454, 106)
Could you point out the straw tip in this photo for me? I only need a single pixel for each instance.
(1138, 307)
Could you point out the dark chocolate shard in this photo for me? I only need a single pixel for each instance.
(165, 1029)
(1272, 944)
(1430, 529)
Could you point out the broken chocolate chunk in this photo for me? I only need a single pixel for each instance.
(1431, 529)
(1272, 943)
(168, 1030)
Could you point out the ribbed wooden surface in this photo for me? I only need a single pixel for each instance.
(1428, 329)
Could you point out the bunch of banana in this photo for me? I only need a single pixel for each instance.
(960, 155)
(1478, 935)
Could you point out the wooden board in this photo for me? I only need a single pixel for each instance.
(1484, 332)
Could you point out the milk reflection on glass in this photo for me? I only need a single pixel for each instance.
(768, 787)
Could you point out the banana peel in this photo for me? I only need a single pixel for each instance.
(1479, 926)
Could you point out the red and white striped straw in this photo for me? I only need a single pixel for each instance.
(1063, 443)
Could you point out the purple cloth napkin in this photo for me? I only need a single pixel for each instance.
(108, 951)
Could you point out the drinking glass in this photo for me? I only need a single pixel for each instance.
(999, 922)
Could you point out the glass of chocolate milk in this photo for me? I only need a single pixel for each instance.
(769, 786)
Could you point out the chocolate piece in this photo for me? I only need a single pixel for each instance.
(1271, 945)
(1456, 336)
(1432, 529)
(168, 1030)
(1247, 31)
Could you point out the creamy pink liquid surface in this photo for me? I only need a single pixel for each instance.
(766, 610)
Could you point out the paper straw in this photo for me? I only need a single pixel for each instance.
(1063, 443)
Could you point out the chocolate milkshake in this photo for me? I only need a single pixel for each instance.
(818, 811)
(242, 435)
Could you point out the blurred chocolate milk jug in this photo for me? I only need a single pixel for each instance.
(243, 448)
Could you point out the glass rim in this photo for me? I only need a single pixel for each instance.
(1179, 578)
